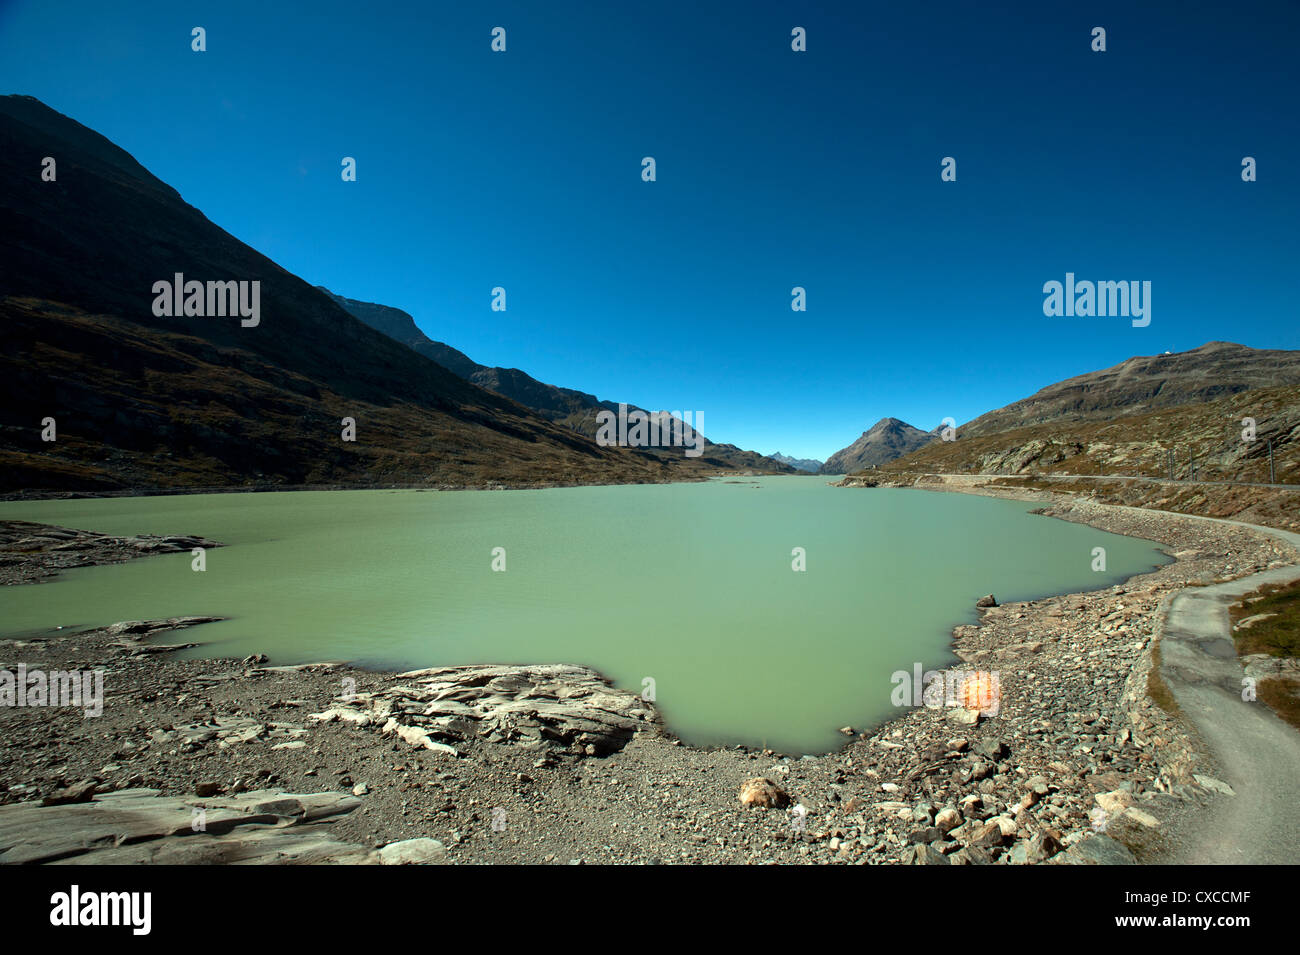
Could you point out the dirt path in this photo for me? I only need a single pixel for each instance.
(1259, 753)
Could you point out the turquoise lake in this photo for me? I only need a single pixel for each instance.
(688, 585)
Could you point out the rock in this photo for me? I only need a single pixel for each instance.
(1217, 785)
(1141, 817)
(206, 789)
(971, 855)
(343, 713)
(963, 716)
(139, 826)
(547, 704)
(846, 730)
(991, 748)
(1248, 622)
(923, 854)
(1096, 849)
(762, 793)
(947, 820)
(417, 737)
(75, 793)
(360, 789)
(1037, 785)
(413, 852)
(1037, 848)
(1114, 802)
(988, 835)
(925, 835)
(986, 601)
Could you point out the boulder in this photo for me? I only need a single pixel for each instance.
(413, 852)
(1096, 849)
(762, 793)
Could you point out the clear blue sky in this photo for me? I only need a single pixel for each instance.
(775, 169)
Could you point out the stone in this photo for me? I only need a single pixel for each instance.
(963, 716)
(140, 826)
(991, 748)
(1037, 848)
(413, 852)
(1096, 849)
(986, 601)
(762, 793)
(1037, 785)
(1114, 802)
(923, 854)
(1141, 817)
(971, 855)
(75, 793)
(1217, 785)
(988, 835)
(947, 820)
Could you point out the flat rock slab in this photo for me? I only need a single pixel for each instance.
(445, 708)
(140, 826)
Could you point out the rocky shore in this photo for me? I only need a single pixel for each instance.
(549, 764)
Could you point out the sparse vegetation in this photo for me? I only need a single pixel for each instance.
(1271, 618)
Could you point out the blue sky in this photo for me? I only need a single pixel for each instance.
(775, 169)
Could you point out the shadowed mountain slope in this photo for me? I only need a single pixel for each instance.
(573, 409)
(143, 401)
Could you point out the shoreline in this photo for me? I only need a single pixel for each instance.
(1003, 789)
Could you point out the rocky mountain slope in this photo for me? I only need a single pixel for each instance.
(1147, 383)
(1122, 422)
(565, 406)
(140, 400)
(887, 439)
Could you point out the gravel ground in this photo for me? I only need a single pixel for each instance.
(1077, 765)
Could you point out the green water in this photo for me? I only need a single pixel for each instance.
(688, 584)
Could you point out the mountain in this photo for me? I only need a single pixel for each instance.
(1147, 383)
(1127, 420)
(888, 439)
(141, 399)
(564, 406)
(801, 464)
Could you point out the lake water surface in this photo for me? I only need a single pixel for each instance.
(687, 584)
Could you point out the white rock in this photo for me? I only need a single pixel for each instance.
(413, 852)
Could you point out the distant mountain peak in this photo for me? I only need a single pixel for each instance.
(887, 439)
